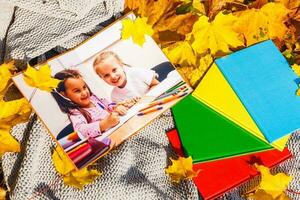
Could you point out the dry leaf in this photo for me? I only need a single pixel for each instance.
(136, 29)
(262, 195)
(181, 169)
(215, 37)
(14, 112)
(7, 142)
(181, 53)
(40, 78)
(71, 176)
(181, 24)
(5, 75)
(81, 177)
(266, 23)
(139, 6)
(215, 6)
(2, 194)
(274, 185)
(195, 75)
(61, 162)
(163, 18)
(271, 186)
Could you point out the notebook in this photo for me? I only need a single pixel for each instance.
(207, 135)
(266, 85)
(217, 177)
(216, 93)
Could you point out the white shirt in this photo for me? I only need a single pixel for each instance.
(137, 85)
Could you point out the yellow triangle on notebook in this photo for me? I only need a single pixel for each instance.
(216, 93)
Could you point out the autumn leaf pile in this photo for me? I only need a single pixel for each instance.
(192, 33)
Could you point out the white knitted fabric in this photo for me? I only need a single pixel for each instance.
(39, 27)
(136, 169)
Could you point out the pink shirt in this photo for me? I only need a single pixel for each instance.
(97, 113)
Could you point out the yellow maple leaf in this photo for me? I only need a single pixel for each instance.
(215, 37)
(81, 177)
(7, 142)
(136, 29)
(61, 162)
(14, 112)
(263, 195)
(2, 194)
(40, 78)
(5, 74)
(139, 6)
(181, 53)
(296, 69)
(196, 74)
(274, 185)
(265, 23)
(71, 176)
(181, 169)
(181, 24)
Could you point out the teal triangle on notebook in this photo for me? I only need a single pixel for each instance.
(207, 135)
(266, 85)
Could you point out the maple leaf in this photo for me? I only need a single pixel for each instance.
(14, 112)
(7, 142)
(194, 6)
(181, 53)
(81, 177)
(2, 194)
(215, 37)
(71, 176)
(263, 195)
(181, 24)
(271, 186)
(265, 23)
(181, 169)
(274, 185)
(136, 29)
(61, 162)
(5, 75)
(296, 69)
(139, 6)
(197, 73)
(40, 78)
(166, 23)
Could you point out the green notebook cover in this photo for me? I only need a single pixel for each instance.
(206, 135)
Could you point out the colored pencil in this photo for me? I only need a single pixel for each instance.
(176, 86)
(149, 111)
(165, 100)
(176, 91)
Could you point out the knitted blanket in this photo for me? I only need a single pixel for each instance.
(136, 169)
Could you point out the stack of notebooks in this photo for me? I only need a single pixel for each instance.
(245, 107)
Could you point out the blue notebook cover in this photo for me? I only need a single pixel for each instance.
(266, 85)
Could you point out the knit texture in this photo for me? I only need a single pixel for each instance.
(135, 170)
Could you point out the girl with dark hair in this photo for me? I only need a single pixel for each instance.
(90, 115)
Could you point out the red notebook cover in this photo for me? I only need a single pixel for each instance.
(217, 177)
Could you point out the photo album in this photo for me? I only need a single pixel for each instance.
(109, 89)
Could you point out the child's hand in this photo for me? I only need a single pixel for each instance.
(112, 120)
(130, 102)
(122, 110)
